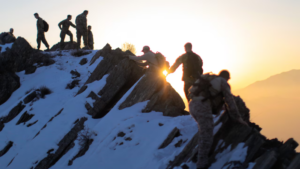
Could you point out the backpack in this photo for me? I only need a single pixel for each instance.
(46, 26)
(205, 86)
(192, 68)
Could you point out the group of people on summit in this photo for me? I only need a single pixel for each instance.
(207, 95)
(82, 30)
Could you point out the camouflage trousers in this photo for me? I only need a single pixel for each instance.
(62, 38)
(187, 85)
(80, 33)
(202, 113)
(41, 37)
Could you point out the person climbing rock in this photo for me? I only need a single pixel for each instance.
(40, 32)
(81, 29)
(208, 95)
(192, 66)
(90, 37)
(148, 56)
(64, 27)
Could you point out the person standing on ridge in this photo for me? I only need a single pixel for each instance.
(81, 28)
(208, 95)
(192, 67)
(41, 32)
(90, 37)
(64, 27)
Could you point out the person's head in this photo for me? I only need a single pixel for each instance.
(86, 12)
(89, 27)
(36, 15)
(69, 17)
(225, 74)
(11, 30)
(188, 47)
(146, 49)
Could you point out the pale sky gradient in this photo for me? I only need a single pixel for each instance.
(253, 39)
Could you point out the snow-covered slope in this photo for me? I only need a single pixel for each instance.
(126, 138)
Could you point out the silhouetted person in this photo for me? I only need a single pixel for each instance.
(64, 27)
(40, 32)
(7, 37)
(90, 37)
(208, 95)
(192, 67)
(148, 56)
(81, 28)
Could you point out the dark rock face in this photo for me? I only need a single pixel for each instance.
(24, 118)
(63, 146)
(119, 81)
(83, 61)
(22, 56)
(66, 46)
(6, 148)
(73, 84)
(163, 98)
(30, 69)
(11, 115)
(9, 82)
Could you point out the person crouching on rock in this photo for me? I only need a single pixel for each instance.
(148, 57)
(7, 37)
(208, 95)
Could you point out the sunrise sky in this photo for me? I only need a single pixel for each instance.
(253, 39)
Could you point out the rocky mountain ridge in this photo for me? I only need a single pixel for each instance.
(91, 109)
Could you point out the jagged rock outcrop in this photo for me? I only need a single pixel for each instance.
(23, 57)
(64, 146)
(266, 153)
(123, 74)
(11, 115)
(6, 38)
(6, 148)
(66, 46)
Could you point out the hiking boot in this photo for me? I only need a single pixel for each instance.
(47, 50)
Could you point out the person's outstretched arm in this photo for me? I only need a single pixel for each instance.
(176, 64)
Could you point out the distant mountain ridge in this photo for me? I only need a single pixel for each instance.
(289, 78)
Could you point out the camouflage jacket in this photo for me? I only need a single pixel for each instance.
(65, 25)
(183, 59)
(81, 22)
(40, 25)
(218, 84)
(90, 37)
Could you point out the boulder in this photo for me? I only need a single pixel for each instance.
(83, 61)
(67, 46)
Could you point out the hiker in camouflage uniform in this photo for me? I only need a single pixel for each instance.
(204, 103)
(192, 67)
(41, 32)
(148, 56)
(90, 37)
(64, 27)
(81, 28)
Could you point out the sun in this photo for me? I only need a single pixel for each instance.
(165, 72)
